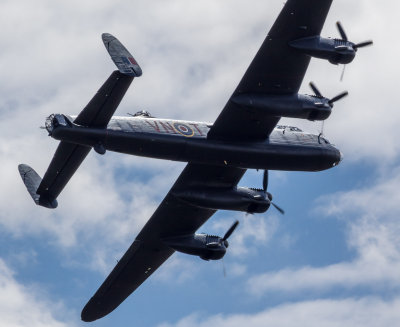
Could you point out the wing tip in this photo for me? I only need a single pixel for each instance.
(92, 312)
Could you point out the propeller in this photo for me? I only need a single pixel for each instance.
(224, 240)
(344, 38)
(223, 267)
(341, 31)
(355, 47)
(342, 75)
(265, 187)
(363, 44)
(229, 233)
(330, 101)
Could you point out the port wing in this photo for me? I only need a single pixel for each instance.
(147, 253)
(277, 69)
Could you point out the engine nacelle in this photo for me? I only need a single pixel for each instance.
(309, 107)
(207, 247)
(334, 50)
(236, 199)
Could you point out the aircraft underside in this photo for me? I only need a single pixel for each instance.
(245, 135)
(280, 152)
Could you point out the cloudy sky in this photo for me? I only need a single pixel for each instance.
(332, 260)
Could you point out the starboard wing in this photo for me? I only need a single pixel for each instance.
(277, 69)
(172, 218)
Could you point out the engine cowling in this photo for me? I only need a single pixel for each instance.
(302, 106)
(336, 51)
(207, 247)
(237, 199)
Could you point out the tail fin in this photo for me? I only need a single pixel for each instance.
(97, 113)
(32, 181)
(121, 56)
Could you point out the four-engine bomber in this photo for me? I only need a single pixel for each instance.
(246, 135)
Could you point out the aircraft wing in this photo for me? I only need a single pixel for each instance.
(277, 69)
(172, 218)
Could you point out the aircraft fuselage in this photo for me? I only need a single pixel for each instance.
(286, 148)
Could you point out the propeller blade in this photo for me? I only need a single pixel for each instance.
(223, 267)
(322, 127)
(341, 76)
(363, 44)
(278, 208)
(341, 31)
(265, 180)
(338, 97)
(315, 89)
(230, 230)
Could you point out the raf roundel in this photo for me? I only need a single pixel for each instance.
(183, 129)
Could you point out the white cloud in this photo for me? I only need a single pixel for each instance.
(21, 306)
(371, 216)
(364, 125)
(189, 72)
(66, 65)
(252, 231)
(178, 268)
(365, 312)
(193, 55)
(375, 273)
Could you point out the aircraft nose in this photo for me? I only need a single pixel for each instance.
(339, 158)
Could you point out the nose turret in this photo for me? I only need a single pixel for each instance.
(337, 157)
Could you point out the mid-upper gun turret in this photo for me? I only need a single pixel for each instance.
(336, 51)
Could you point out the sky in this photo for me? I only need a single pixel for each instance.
(332, 260)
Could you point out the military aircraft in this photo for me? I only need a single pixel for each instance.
(244, 136)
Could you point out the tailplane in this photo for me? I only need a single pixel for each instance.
(97, 114)
(32, 181)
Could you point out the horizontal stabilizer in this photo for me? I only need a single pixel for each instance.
(120, 55)
(65, 162)
(105, 102)
(32, 181)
